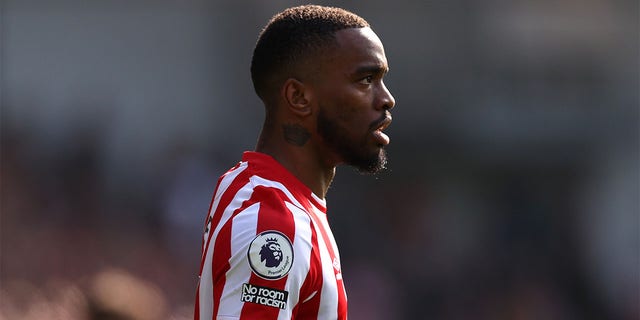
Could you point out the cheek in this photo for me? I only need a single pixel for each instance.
(347, 108)
(350, 110)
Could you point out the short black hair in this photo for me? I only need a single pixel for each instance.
(294, 35)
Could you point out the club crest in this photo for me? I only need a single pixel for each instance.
(270, 255)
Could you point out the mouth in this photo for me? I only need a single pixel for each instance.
(385, 123)
(378, 127)
(382, 124)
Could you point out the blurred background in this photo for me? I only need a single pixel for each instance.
(512, 190)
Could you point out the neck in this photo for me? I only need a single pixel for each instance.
(302, 161)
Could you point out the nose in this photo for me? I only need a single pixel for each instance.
(387, 101)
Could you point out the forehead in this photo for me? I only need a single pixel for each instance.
(358, 47)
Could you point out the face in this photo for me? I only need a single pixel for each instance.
(353, 102)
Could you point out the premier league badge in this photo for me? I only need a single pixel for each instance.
(270, 255)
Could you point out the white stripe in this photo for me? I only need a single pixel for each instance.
(243, 230)
(205, 293)
(226, 181)
(323, 202)
(310, 296)
(329, 294)
(325, 225)
(336, 252)
(302, 247)
(259, 181)
(207, 278)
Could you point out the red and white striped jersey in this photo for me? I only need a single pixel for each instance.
(267, 250)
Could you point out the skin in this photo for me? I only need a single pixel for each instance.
(331, 112)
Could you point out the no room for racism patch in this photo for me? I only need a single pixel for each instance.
(264, 296)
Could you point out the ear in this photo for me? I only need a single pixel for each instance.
(298, 97)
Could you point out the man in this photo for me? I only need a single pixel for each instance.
(268, 251)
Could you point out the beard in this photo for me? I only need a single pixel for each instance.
(357, 154)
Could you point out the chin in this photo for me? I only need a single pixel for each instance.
(371, 164)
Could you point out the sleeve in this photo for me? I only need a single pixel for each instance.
(270, 245)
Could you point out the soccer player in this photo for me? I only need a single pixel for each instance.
(268, 251)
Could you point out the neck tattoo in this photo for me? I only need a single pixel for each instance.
(295, 134)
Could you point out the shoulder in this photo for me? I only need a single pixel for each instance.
(269, 206)
(271, 198)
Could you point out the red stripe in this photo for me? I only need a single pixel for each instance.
(220, 264)
(313, 282)
(206, 220)
(196, 312)
(342, 296)
(317, 204)
(272, 215)
(204, 246)
(222, 245)
(226, 198)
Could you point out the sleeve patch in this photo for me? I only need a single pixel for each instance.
(264, 296)
(270, 255)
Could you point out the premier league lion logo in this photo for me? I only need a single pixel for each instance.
(271, 252)
(270, 255)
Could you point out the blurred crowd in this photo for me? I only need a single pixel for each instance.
(64, 256)
(512, 189)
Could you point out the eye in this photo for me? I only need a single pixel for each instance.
(367, 80)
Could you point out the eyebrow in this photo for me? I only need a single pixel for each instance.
(376, 69)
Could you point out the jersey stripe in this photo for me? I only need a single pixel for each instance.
(308, 308)
(327, 241)
(222, 244)
(243, 229)
(204, 294)
(328, 295)
(222, 208)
